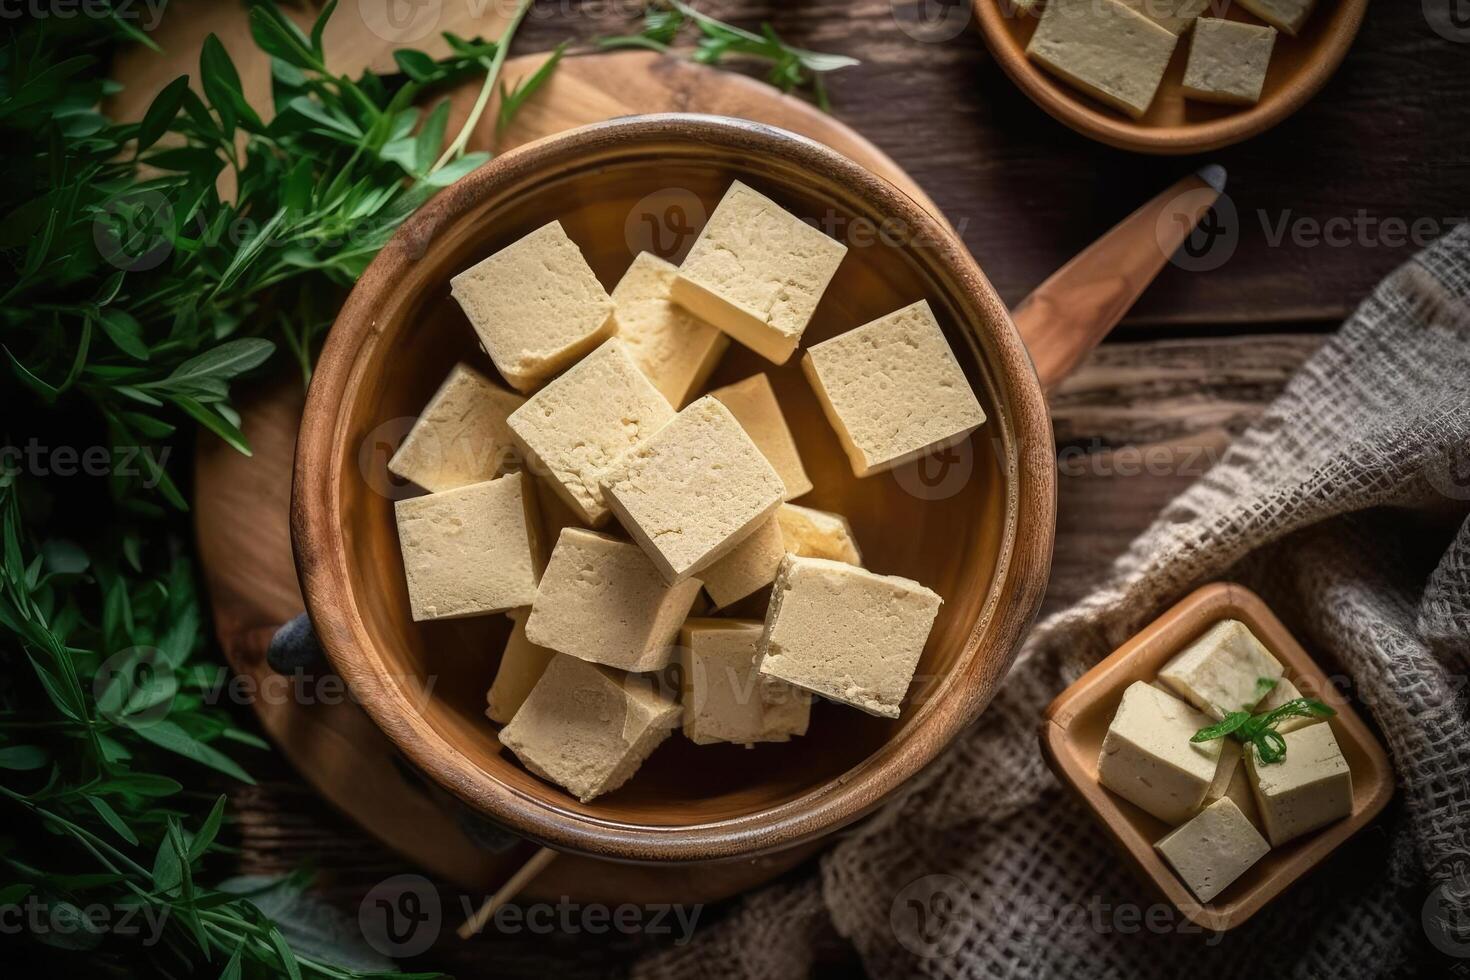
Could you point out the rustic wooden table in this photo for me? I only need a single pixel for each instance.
(1324, 206)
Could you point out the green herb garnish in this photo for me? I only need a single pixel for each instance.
(791, 68)
(1260, 730)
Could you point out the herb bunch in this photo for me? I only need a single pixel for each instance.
(135, 293)
(1259, 730)
(791, 68)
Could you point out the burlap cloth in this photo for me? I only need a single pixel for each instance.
(1346, 508)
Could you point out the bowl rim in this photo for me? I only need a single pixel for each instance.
(1088, 117)
(321, 556)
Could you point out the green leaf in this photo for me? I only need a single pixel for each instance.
(161, 112)
(214, 422)
(110, 817)
(1227, 725)
(416, 65)
(208, 830)
(232, 968)
(12, 894)
(23, 758)
(283, 950)
(124, 331)
(167, 735)
(320, 26)
(511, 102)
(277, 35)
(224, 362)
(221, 82)
(168, 870)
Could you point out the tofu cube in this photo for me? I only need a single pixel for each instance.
(470, 551)
(725, 697)
(1305, 791)
(757, 272)
(1284, 15)
(521, 665)
(1283, 692)
(753, 403)
(1232, 782)
(813, 533)
(892, 390)
(461, 436)
(572, 430)
(846, 633)
(536, 306)
(693, 490)
(1175, 16)
(749, 566)
(602, 600)
(675, 348)
(1114, 54)
(1223, 670)
(587, 728)
(1228, 61)
(1147, 756)
(1213, 849)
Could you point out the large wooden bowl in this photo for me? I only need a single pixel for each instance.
(980, 534)
(1300, 66)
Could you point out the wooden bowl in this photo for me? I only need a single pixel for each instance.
(980, 534)
(1075, 723)
(1300, 66)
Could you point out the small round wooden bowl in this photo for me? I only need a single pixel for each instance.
(980, 535)
(1300, 66)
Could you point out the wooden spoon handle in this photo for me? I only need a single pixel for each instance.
(1066, 316)
(507, 892)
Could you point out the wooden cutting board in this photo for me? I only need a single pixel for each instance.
(242, 509)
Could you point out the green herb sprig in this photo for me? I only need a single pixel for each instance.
(135, 295)
(791, 68)
(1259, 730)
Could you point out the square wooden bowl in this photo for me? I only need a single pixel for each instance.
(1072, 735)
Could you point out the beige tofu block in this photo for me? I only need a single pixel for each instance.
(1228, 61)
(1305, 791)
(892, 390)
(694, 490)
(725, 697)
(603, 601)
(536, 306)
(587, 728)
(675, 348)
(813, 533)
(461, 436)
(521, 665)
(749, 566)
(757, 272)
(1284, 15)
(1175, 16)
(1283, 692)
(1243, 795)
(1114, 54)
(1147, 756)
(471, 550)
(846, 633)
(1222, 671)
(1231, 781)
(1213, 849)
(572, 430)
(753, 403)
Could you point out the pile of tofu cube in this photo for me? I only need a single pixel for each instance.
(1218, 795)
(607, 415)
(1118, 50)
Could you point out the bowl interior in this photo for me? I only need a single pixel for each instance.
(949, 522)
(1299, 67)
